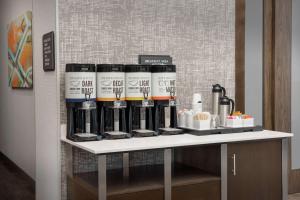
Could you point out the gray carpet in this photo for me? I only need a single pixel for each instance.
(14, 183)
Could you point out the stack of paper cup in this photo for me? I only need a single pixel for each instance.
(182, 118)
(189, 119)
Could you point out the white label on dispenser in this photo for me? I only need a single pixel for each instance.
(163, 85)
(110, 85)
(80, 85)
(138, 83)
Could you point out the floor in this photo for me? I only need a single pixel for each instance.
(294, 197)
(16, 185)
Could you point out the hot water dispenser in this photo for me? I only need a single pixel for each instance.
(164, 96)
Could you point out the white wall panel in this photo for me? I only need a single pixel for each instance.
(296, 85)
(254, 60)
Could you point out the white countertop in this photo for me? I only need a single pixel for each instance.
(162, 142)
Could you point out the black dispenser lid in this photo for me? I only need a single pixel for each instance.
(217, 88)
(76, 67)
(224, 100)
(138, 68)
(163, 68)
(110, 68)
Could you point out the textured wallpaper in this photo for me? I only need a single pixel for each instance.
(198, 34)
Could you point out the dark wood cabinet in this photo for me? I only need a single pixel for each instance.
(254, 171)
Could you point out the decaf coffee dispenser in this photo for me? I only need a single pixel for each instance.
(111, 100)
(80, 94)
(138, 97)
(164, 96)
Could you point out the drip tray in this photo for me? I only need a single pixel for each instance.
(116, 135)
(82, 137)
(222, 130)
(170, 131)
(144, 133)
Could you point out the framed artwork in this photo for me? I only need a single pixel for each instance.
(19, 36)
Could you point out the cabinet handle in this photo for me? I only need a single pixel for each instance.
(234, 165)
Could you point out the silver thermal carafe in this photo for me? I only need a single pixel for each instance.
(217, 92)
(226, 108)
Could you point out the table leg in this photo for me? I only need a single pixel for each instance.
(69, 163)
(126, 165)
(223, 171)
(285, 156)
(168, 174)
(69, 169)
(102, 187)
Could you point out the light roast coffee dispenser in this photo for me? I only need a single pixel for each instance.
(80, 95)
(164, 96)
(138, 97)
(111, 100)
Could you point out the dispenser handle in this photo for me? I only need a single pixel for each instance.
(223, 91)
(232, 106)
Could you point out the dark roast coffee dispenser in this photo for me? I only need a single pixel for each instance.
(111, 100)
(80, 95)
(138, 97)
(164, 96)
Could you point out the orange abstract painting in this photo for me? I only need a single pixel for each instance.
(19, 38)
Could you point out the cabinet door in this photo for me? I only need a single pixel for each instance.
(255, 171)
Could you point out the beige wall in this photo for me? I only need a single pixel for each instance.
(17, 127)
(46, 107)
(29, 132)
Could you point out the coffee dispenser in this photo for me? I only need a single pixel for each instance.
(111, 100)
(164, 96)
(80, 94)
(138, 97)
